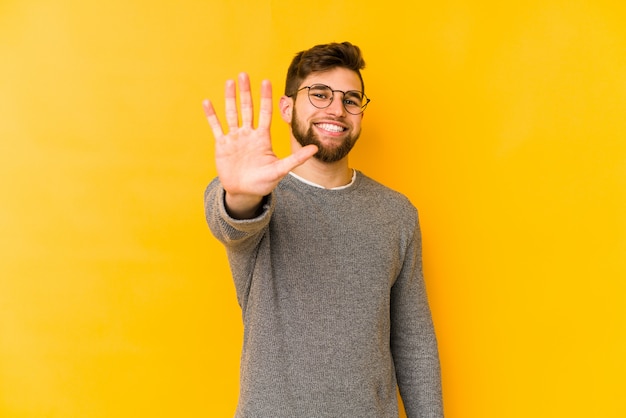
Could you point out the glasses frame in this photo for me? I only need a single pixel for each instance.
(367, 99)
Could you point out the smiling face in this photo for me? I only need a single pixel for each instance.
(332, 129)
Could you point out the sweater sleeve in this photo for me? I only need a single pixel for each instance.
(413, 340)
(231, 231)
(241, 237)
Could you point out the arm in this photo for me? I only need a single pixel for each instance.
(413, 340)
(241, 237)
(246, 164)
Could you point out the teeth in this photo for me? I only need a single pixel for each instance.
(330, 127)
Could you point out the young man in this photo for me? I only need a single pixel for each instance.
(326, 261)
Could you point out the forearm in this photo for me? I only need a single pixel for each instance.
(243, 206)
(413, 339)
(226, 228)
(419, 381)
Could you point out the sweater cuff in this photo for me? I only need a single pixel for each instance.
(267, 205)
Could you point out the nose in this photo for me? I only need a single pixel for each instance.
(336, 107)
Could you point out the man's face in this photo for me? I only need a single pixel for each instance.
(332, 129)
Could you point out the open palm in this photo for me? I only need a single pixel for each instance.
(245, 161)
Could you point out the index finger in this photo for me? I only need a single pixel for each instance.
(265, 110)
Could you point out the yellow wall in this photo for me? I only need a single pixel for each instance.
(503, 123)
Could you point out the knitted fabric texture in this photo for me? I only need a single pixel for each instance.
(333, 302)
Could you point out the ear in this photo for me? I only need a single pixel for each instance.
(285, 105)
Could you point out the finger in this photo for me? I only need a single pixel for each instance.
(265, 112)
(245, 98)
(232, 119)
(297, 158)
(211, 116)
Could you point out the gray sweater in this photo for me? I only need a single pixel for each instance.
(333, 301)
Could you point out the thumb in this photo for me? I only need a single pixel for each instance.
(297, 158)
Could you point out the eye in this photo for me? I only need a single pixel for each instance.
(353, 98)
(320, 92)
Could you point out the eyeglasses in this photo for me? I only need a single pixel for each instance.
(321, 96)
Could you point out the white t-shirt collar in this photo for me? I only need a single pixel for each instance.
(310, 183)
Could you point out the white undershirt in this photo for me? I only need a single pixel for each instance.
(310, 183)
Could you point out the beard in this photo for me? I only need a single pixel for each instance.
(326, 154)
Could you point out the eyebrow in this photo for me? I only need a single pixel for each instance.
(354, 93)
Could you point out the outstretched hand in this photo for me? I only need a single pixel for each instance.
(246, 164)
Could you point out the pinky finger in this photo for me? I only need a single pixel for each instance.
(211, 116)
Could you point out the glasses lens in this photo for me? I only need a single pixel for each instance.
(320, 95)
(353, 101)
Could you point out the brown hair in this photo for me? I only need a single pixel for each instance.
(323, 58)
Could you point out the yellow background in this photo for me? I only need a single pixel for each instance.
(504, 123)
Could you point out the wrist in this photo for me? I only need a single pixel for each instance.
(243, 206)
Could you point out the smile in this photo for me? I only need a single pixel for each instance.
(330, 127)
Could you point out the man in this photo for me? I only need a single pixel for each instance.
(326, 261)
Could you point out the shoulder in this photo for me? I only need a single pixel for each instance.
(369, 185)
(386, 201)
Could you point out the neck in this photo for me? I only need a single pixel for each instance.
(327, 175)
